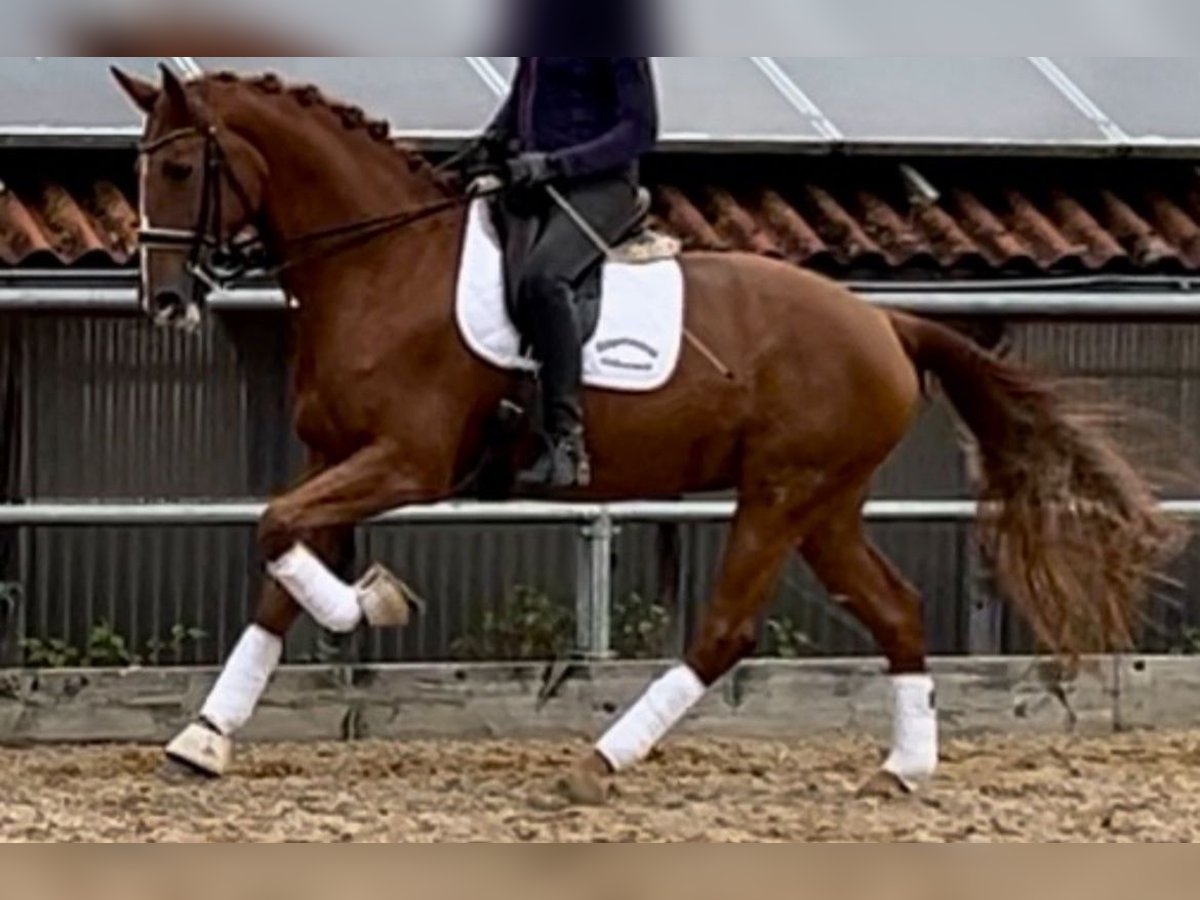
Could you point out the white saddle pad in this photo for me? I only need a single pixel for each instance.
(638, 339)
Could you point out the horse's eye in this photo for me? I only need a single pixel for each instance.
(178, 171)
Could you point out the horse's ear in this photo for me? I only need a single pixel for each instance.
(178, 97)
(177, 94)
(143, 93)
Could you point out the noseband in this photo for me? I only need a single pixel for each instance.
(232, 258)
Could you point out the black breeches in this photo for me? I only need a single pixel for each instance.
(549, 253)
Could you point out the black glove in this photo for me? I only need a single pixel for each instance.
(531, 170)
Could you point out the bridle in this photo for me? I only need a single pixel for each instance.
(233, 258)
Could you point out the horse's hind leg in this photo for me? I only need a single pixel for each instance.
(761, 539)
(205, 746)
(857, 575)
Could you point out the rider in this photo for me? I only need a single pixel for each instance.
(581, 125)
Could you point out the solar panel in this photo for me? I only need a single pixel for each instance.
(705, 100)
(49, 94)
(417, 94)
(1147, 97)
(505, 65)
(715, 98)
(940, 99)
(725, 98)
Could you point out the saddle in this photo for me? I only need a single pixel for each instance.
(637, 244)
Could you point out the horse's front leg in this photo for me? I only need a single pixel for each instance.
(205, 747)
(300, 536)
(371, 482)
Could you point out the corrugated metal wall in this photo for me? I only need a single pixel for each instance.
(112, 409)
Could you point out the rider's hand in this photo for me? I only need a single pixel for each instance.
(530, 170)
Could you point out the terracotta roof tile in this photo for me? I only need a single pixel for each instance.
(49, 224)
(989, 221)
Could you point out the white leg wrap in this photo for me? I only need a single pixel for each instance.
(330, 601)
(661, 708)
(914, 756)
(243, 680)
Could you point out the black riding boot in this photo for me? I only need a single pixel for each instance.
(564, 463)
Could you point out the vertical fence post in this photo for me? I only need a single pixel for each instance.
(593, 588)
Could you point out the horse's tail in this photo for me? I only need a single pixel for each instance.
(1075, 535)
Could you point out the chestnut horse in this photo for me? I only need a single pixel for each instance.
(394, 409)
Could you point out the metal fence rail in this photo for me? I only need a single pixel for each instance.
(1089, 301)
(598, 526)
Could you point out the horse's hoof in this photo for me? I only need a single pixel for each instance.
(201, 750)
(386, 601)
(178, 773)
(885, 786)
(583, 788)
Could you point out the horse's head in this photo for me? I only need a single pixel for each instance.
(201, 193)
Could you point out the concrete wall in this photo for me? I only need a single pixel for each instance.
(769, 699)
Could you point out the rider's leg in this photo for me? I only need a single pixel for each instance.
(545, 305)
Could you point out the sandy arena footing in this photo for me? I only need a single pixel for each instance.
(1138, 787)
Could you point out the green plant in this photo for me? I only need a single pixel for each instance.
(174, 648)
(640, 628)
(530, 626)
(784, 639)
(104, 647)
(107, 649)
(1188, 643)
(52, 653)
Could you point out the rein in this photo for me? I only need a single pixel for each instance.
(363, 230)
(235, 258)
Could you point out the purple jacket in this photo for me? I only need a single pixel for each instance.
(592, 114)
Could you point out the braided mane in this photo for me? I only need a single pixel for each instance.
(351, 118)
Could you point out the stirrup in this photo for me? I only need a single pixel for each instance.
(547, 472)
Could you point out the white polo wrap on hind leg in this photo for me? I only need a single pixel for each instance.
(243, 681)
(329, 600)
(914, 756)
(661, 708)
